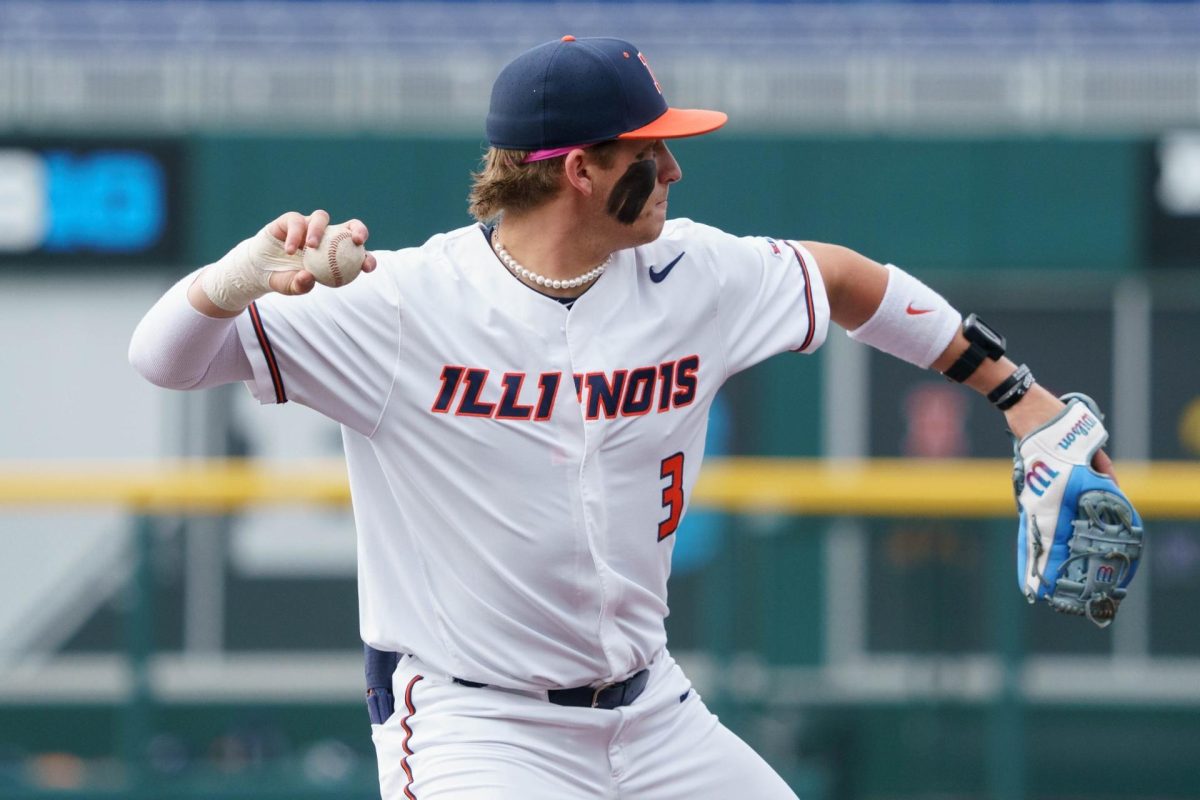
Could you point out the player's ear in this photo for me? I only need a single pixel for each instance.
(577, 170)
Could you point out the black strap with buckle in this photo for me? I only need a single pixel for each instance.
(609, 696)
(984, 342)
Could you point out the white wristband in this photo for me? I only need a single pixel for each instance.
(913, 322)
(243, 274)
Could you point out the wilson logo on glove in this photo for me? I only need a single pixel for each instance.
(1039, 477)
(1081, 428)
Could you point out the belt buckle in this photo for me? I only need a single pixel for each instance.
(596, 693)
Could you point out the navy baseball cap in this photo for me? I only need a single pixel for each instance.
(575, 92)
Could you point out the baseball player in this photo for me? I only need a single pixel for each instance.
(523, 404)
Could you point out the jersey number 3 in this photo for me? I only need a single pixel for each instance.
(672, 494)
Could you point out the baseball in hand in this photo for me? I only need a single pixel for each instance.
(337, 260)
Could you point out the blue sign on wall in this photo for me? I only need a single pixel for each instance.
(110, 202)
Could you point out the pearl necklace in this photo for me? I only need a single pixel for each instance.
(542, 280)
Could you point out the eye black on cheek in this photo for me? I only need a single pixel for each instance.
(631, 192)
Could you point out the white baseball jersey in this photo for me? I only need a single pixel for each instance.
(518, 468)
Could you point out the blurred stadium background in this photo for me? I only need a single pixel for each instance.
(175, 634)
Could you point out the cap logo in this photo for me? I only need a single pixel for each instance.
(646, 64)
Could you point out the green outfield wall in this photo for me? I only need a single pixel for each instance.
(924, 203)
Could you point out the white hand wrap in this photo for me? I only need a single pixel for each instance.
(243, 274)
(913, 322)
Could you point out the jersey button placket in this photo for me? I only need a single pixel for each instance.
(590, 489)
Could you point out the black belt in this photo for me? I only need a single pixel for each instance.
(610, 695)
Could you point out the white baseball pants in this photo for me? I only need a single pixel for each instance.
(447, 741)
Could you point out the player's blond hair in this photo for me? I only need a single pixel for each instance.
(505, 183)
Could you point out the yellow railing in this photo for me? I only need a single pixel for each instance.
(876, 487)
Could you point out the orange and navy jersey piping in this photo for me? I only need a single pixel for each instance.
(808, 300)
(411, 709)
(268, 353)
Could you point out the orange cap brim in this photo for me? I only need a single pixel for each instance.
(677, 123)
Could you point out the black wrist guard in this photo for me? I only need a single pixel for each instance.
(984, 343)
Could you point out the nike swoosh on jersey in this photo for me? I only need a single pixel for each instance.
(915, 311)
(661, 275)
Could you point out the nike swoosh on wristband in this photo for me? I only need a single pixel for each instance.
(661, 275)
(915, 311)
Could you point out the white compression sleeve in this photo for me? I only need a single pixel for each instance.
(913, 322)
(177, 347)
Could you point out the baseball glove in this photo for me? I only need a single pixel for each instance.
(1080, 538)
